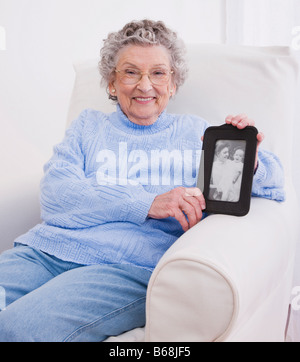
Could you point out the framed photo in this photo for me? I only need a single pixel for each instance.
(227, 168)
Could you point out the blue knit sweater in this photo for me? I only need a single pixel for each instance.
(103, 177)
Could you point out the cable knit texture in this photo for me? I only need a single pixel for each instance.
(103, 177)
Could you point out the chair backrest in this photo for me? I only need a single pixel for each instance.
(223, 79)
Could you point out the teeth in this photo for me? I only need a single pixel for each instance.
(144, 99)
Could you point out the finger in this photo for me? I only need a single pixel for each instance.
(260, 137)
(244, 122)
(198, 201)
(196, 193)
(235, 119)
(190, 211)
(196, 207)
(239, 117)
(181, 218)
(229, 118)
(192, 191)
(201, 201)
(241, 121)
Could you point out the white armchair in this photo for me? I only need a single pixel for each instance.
(228, 278)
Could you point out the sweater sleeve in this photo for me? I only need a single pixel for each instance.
(69, 199)
(268, 181)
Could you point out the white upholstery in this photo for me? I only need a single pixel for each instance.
(228, 278)
(19, 191)
(225, 279)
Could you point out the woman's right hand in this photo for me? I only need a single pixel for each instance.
(185, 204)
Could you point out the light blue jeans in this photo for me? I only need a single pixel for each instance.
(51, 300)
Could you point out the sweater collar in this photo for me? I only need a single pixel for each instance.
(121, 121)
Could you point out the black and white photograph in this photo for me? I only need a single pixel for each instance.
(227, 170)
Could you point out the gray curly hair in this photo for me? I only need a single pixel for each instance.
(143, 33)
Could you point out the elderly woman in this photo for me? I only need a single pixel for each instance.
(117, 193)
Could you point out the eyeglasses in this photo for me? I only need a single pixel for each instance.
(133, 76)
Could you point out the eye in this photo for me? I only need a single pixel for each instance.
(131, 72)
(159, 73)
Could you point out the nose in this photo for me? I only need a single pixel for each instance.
(144, 84)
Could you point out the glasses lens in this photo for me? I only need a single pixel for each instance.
(132, 76)
(159, 77)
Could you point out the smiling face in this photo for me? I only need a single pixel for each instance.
(223, 154)
(238, 155)
(144, 101)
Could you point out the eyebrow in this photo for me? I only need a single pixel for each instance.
(135, 66)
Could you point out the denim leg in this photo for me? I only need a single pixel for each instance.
(88, 303)
(23, 269)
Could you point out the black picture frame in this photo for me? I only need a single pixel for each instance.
(227, 169)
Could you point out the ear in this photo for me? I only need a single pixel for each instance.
(173, 90)
(112, 89)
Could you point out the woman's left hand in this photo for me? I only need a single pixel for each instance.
(241, 121)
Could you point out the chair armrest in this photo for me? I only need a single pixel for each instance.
(19, 206)
(219, 273)
(22, 170)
